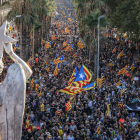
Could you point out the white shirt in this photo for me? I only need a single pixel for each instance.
(72, 127)
(90, 104)
(70, 138)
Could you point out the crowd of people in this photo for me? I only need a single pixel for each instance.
(90, 117)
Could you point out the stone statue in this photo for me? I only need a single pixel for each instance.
(12, 91)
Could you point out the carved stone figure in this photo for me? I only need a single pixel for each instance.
(12, 91)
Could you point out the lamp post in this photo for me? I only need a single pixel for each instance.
(33, 43)
(20, 16)
(99, 42)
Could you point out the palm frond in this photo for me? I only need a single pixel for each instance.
(6, 3)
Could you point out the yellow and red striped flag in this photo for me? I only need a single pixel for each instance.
(47, 69)
(119, 83)
(87, 77)
(133, 66)
(36, 87)
(59, 60)
(56, 70)
(72, 90)
(48, 45)
(39, 94)
(72, 78)
(27, 122)
(42, 42)
(67, 30)
(108, 110)
(57, 25)
(65, 44)
(121, 54)
(122, 71)
(123, 90)
(14, 49)
(75, 55)
(68, 48)
(114, 50)
(68, 106)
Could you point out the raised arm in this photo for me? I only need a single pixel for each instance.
(18, 60)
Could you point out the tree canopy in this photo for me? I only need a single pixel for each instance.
(124, 15)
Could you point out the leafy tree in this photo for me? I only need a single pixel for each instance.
(124, 15)
(87, 12)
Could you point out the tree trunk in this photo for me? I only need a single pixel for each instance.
(95, 65)
(23, 44)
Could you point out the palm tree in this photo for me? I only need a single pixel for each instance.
(87, 12)
(33, 14)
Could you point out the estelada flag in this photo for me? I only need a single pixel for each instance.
(121, 54)
(75, 55)
(89, 86)
(83, 77)
(59, 60)
(122, 71)
(133, 66)
(112, 64)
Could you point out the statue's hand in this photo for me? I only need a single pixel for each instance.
(8, 48)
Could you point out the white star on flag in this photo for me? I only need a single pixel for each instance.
(81, 76)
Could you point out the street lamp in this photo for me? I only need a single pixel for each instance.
(20, 16)
(33, 43)
(98, 42)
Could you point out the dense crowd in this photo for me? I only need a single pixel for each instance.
(87, 120)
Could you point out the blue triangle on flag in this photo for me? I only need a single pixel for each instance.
(62, 57)
(89, 85)
(16, 45)
(81, 75)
